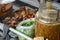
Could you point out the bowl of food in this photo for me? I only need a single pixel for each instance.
(26, 27)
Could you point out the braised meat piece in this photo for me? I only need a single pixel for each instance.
(5, 9)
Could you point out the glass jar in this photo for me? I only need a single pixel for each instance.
(46, 22)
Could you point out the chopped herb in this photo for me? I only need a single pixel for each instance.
(28, 23)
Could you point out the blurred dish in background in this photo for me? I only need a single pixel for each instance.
(6, 1)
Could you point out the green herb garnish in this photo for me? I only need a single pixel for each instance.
(28, 23)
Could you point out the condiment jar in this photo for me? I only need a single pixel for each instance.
(46, 22)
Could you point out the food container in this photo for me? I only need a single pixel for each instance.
(27, 28)
(46, 23)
